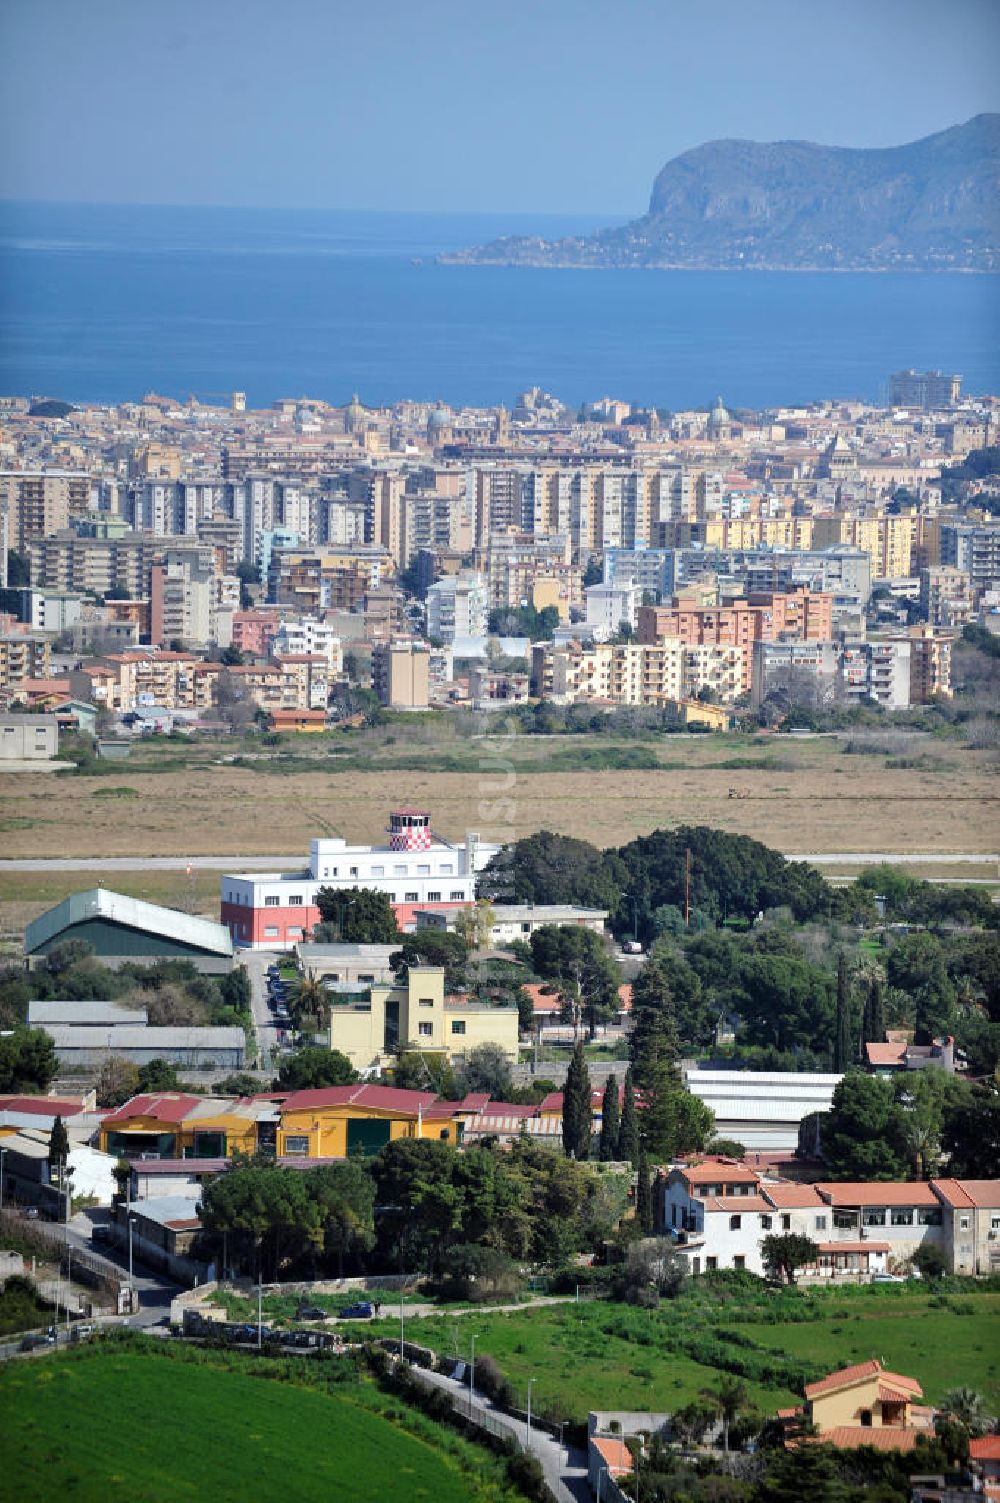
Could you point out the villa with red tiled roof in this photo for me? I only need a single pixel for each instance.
(864, 1405)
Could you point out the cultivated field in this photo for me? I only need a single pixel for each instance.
(102, 1424)
(796, 795)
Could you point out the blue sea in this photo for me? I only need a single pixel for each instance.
(104, 303)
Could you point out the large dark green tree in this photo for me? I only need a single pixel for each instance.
(58, 1145)
(577, 1109)
(644, 1195)
(842, 1051)
(311, 1067)
(550, 868)
(578, 959)
(970, 1134)
(628, 1132)
(610, 1120)
(860, 1135)
(357, 916)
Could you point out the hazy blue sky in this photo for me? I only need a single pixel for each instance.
(449, 104)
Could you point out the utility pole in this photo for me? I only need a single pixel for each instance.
(687, 888)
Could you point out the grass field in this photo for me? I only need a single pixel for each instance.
(106, 1423)
(596, 1355)
(795, 795)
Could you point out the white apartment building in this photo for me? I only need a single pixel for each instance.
(610, 605)
(309, 637)
(457, 606)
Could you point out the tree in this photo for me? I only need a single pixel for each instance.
(610, 1121)
(344, 1195)
(577, 1110)
(811, 1472)
(487, 1068)
(861, 1132)
(240, 1083)
(415, 1070)
(628, 1132)
(842, 1052)
(27, 1060)
(673, 1121)
(873, 1022)
(310, 1004)
(549, 868)
(58, 1146)
(578, 957)
(929, 1261)
(728, 1397)
(970, 1134)
(359, 915)
(787, 1253)
(966, 1406)
(473, 925)
(434, 947)
(158, 1075)
(644, 1196)
(117, 1081)
(312, 1068)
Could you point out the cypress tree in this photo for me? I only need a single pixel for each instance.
(628, 1132)
(875, 1013)
(610, 1121)
(577, 1113)
(644, 1196)
(842, 1035)
(58, 1145)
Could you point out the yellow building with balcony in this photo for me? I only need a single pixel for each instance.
(418, 1017)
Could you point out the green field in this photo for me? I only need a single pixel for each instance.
(109, 1422)
(605, 1355)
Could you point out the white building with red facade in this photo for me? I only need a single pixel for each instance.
(417, 869)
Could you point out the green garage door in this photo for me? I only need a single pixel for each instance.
(366, 1136)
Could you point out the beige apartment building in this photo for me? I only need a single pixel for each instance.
(23, 656)
(38, 502)
(401, 674)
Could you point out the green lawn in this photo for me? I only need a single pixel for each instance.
(110, 1422)
(606, 1355)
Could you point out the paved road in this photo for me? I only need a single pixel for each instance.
(257, 962)
(297, 863)
(565, 1467)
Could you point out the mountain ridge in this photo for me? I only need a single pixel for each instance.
(930, 204)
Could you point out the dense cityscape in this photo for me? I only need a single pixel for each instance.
(533, 1066)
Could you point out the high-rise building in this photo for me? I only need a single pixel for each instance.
(926, 389)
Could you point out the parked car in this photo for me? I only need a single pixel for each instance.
(34, 1340)
(364, 1310)
(310, 1312)
(80, 1333)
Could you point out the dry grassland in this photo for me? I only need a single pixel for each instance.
(812, 797)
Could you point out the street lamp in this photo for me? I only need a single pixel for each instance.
(527, 1433)
(472, 1372)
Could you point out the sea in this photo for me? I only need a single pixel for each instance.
(103, 303)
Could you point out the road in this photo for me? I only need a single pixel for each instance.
(257, 962)
(565, 1467)
(297, 863)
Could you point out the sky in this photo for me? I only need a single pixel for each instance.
(554, 106)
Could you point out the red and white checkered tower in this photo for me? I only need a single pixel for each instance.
(409, 830)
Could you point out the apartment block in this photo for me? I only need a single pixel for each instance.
(401, 674)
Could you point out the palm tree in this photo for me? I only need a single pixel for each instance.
(727, 1398)
(310, 1000)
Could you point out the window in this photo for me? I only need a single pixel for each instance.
(525, 928)
(765, 1223)
(411, 897)
(711, 1264)
(786, 1222)
(844, 1218)
(866, 1418)
(444, 1133)
(425, 1030)
(433, 897)
(928, 1217)
(446, 869)
(458, 897)
(874, 1218)
(458, 1025)
(963, 1223)
(735, 1222)
(995, 1223)
(821, 1223)
(293, 933)
(378, 871)
(399, 871)
(739, 1261)
(354, 871)
(424, 870)
(295, 901)
(368, 976)
(426, 1002)
(270, 902)
(271, 932)
(297, 1145)
(901, 1216)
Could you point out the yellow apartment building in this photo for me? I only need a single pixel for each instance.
(418, 1016)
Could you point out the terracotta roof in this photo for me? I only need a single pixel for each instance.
(625, 996)
(883, 1438)
(889, 1395)
(544, 998)
(494, 1109)
(897, 1193)
(718, 1172)
(43, 1106)
(982, 1193)
(886, 1054)
(843, 1378)
(793, 1197)
(165, 1106)
(735, 1203)
(614, 1453)
(985, 1448)
(379, 1098)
